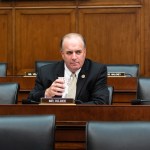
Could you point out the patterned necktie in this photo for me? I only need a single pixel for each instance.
(72, 87)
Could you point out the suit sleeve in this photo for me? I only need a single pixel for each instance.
(38, 90)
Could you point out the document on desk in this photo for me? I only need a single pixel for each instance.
(57, 101)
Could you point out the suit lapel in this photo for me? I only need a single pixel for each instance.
(82, 78)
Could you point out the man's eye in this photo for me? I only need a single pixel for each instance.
(69, 53)
(78, 52)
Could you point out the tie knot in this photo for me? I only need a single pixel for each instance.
(73, 75)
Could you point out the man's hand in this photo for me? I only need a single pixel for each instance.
(56, 89)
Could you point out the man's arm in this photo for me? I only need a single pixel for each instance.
(46, 88)
(100, 93)
(38, 90)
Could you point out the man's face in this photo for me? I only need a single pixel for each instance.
(73, 53)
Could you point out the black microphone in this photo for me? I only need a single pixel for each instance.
(78, 102)
(128, 74)
(29, 101)
(140, 102)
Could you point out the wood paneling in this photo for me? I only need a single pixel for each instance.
(125, 90)
(38, 33)
(112, 34)
(146, 36)
(6, 38)
(108, 2)
(117, 31)
(45, 3)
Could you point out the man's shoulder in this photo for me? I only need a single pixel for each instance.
(52, 65)
(92, 63)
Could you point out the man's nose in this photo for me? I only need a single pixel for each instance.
(74, 55)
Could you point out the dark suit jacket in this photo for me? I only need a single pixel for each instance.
(91, 84)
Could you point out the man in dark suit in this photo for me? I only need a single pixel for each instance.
(91, 85)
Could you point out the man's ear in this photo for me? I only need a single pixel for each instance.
(62, 53)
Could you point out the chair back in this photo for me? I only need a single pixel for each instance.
(32, 132)
(130, 70)
(9, 93)
(111, 90)
(143, 91)
(3, 69)
(39, 64)
(117, 135)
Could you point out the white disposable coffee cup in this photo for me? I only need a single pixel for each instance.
(66, 83)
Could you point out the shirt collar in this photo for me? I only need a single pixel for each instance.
(68, 72)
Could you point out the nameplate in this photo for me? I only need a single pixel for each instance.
(30, 74)
(57, 101)
(116, 74)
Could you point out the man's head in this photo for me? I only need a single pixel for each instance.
(73, 51)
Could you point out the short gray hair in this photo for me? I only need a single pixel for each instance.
(70, 35)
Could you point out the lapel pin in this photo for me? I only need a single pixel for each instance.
(83, 76)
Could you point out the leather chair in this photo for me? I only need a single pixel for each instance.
(117, 135)
(143, 92)
(9, 93)
(39, 64)
(111, 90)
(130, 70)
(27, 132)
(3, 69)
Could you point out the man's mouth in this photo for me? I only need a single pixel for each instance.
(74, 63)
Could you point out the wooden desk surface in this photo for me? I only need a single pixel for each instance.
(71, 120)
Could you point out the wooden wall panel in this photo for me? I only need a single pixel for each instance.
(113, 35)
(45, 3)
(6, 45)
(109, 2)
(116, 28)
(38, 34)
(146, 36)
